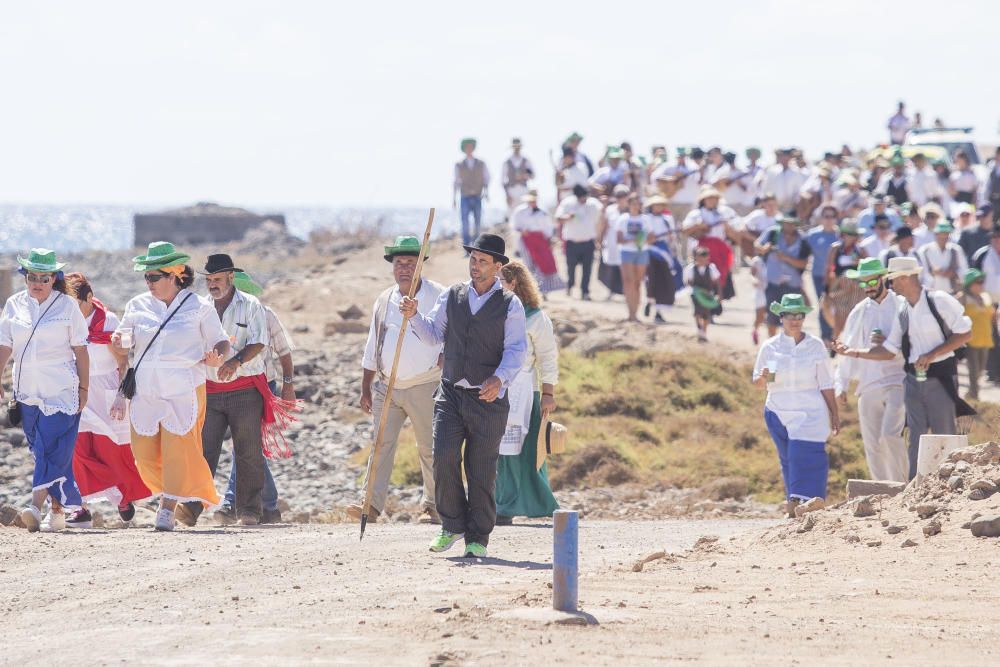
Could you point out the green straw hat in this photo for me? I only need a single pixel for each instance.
(851, 228)
(870, 267)
(467, 140)
(615, 153)
(943, 228)
(789, 219)
(405, 246)
(705, 299)
(246, 284)
(41, 260)
(971, 276)
(159, 255)
(790, 303)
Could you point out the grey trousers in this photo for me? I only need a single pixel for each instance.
(417, 403)
(977, 359)
(460, 416)
(929, 409)
(241, 411)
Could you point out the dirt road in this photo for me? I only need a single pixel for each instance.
(312, 594)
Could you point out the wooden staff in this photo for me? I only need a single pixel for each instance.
(366, 507)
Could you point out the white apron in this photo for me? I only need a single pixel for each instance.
(521, 394)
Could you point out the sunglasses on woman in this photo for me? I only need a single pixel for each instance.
(794, 316)
(869, 283)
(154, 277)
(38, 279)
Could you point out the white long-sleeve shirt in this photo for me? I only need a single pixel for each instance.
(802, 372)
(925, 334)
(417, 358)
(934, 257)
(870, 374)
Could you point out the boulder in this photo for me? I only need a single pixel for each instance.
(863, 507)
(811, 505)
(352, 313)
(344, 327)
(857, 488)
(986, 526)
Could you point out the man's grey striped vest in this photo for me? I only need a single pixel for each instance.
(473, 344)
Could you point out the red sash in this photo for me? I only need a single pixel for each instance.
(540, 251)
(96, 333)
(277, 412)
(720, 254)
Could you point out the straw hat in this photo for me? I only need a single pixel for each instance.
(903, 266)
(406, 245)
(160, 255)
(971, 276)
(932, 207)
(657, 199)
(706, 192)
(41, 260)
(551, 440)
(790, 303)
(246, 284)
(870, 267)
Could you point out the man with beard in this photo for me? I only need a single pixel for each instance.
(482, 327)
(881, 413)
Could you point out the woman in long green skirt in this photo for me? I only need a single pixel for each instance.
(522, 486)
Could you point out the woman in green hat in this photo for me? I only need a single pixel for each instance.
(176, 334)
(801, 410)
(45, 334)
(522, 486)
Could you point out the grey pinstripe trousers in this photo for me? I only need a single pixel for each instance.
(460, 416)
(241, 411)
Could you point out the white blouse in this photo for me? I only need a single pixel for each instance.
(801, 372)
(172, 371)
(47, 378)
(103, 389)
(543, 350)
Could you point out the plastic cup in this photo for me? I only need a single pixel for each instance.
(126, 335)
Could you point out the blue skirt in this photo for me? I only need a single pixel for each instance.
(804, 464)
(52, 439)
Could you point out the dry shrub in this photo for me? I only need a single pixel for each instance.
(724, 488)
(592, 465)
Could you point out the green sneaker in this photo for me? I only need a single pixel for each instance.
(475, 550)
(444, 541)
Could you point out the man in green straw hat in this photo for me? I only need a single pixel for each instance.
(279, 368)
(944, 261)
(417, 378)
(881, 411)
(472, 183)
(612, 173)
(929, 327)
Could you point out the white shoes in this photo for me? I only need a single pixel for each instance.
(53, 522)
(164, 520)
(31, 517)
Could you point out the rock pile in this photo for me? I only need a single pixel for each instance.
(962, 498)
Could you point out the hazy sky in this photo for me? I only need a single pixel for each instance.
(339, 103)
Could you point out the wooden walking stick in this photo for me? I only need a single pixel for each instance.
(380, 432)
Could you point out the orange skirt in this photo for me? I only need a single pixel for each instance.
(174, 465)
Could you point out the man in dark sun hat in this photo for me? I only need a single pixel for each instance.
(482, 327)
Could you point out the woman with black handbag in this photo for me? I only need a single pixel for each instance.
(44, 332)
(176, 334)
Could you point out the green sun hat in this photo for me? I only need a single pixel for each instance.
(971, 276)
(870, 267)
(159, 255)
(705, 299)
(575, 136)
(751, 150)
(943, 228)
(246, 284)
(40, 260)
(405, 246)
(791, 303)
(467, 140)
(615, 153)
(851, 228)
(897, 161)
(682, 151)
(782, 219)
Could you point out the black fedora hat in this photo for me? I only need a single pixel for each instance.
(492, 245)
(219, 264)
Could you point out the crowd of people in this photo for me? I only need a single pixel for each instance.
(102, 427)
(900, 251)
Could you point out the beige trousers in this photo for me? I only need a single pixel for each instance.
(882, 415)
(417, 403)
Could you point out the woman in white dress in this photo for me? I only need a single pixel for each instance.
(800, 411)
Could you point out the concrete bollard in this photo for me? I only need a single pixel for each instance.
(564, 560)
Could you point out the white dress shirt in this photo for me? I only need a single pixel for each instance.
(925, 334)
(280, 345)
(714, 218)
(417, 359)
(526, 218)
(757, 222)
(802, 372)
(785, 183)
(103, 389)
(173, 369)
(923, 185)
(870, 373)
(610, 251)
(47, 378)
(582, 226)
(991, 268)
(934, 257)
(245, 322)
(687, 193)
(875, 245)
(432, 328)
(899, 125)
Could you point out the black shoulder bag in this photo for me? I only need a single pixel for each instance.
(13, 407)
(127, 386)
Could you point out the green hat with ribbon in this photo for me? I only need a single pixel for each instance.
(850, 227)
(869, 267)
(467, 140)
(246, 284)
(971, 276)
(704, 298)
(782, 219)
(405, 246)
(943, 228)
(41, 260)
(753, 150)
(897, 160)
(682, 151)
(791, 303)
(573, 137)
(159, 255)
(615, 153)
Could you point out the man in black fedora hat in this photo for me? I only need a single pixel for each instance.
(234, 399)
(482, 327)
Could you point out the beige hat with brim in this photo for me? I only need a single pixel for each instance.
(551, 440)
(657, 199)
(708, 191)
(903, 266)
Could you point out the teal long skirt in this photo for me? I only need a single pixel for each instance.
(522, 490)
